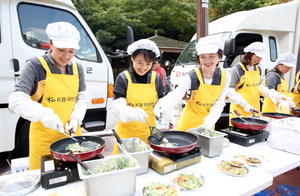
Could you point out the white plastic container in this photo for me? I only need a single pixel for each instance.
(285, 135)
(117, 183)
(142, 157)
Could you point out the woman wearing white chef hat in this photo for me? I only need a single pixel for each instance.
(205, 88)
(51, 92)
(136, 91)
(275, 80)
(245, 86)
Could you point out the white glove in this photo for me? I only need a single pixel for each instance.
(164, 108)
(248, 108)
(138, 114)
(291, 104)
(274, 96)
(72, 124)
(80, 108)
(21, 104)
(52, 121)
(206, 125)
(197, 129)
(126, 113)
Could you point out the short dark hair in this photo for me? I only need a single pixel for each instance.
(148, 56)
(219, 52)
(246, 59)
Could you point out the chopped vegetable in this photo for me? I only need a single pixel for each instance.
(188, 181)
(76, 148)
(135, 146)
(168, 144)
(113, 164)
(159, 189)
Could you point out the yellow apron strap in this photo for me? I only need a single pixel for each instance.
(128, 76)
(44, 63)
(153, 76)
(75, 70)
(197, 70)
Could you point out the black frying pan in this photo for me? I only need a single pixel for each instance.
(252, 124)
(59, 152)
(185, 141)
(276, 115)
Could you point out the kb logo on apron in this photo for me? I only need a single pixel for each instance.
(151, 104)
(61, 99)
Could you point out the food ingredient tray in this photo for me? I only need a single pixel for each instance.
(138, 150)
(108, 179)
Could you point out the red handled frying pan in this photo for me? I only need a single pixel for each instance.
(250, 124)
(185, 141)
(59, 152)
(296, 112)
(276, 115)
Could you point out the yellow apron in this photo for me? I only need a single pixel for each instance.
(198, 106)
(249, 91)
(295, 94)
(282, 88)
(145, 97)
(60, 94)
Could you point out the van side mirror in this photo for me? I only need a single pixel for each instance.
(229, 47)
(130, 36)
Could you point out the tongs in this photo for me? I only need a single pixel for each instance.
(120, 141)
(70, 136)
(156, 133)
(236, 113)
(85, 166)
(252, 112)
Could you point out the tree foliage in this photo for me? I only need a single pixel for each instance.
(175, 19)
(109, 19)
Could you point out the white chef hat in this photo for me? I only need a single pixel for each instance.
(258, 48)
(287, 59)
(63, 35)
(209, 44)
(145, 44)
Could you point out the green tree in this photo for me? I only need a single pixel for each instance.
(175, 19)
(108, 19)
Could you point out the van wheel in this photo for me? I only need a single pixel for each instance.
(23, 140)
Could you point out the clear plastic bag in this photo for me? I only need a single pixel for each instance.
(286, 190)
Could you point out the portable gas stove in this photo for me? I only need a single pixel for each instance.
(245, 137)
(56, 173)
(166, 163)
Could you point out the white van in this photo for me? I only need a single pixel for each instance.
(276, 26)
(23, 36)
